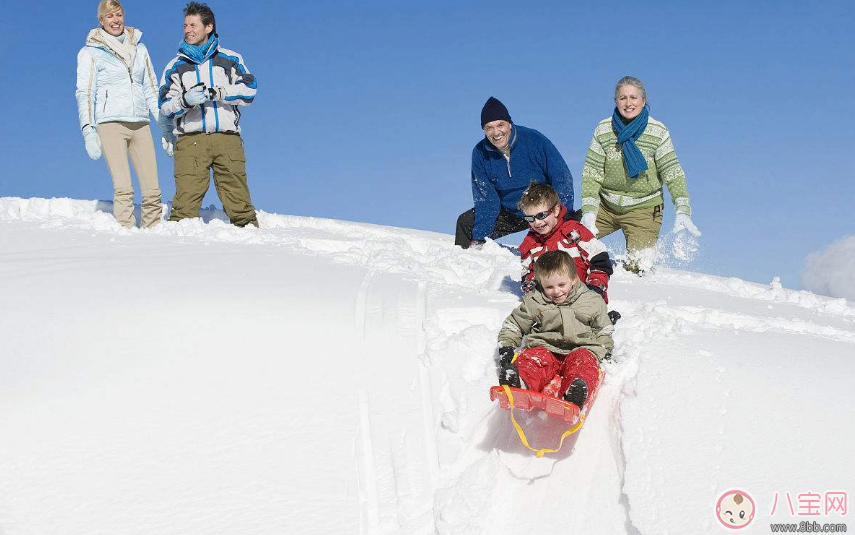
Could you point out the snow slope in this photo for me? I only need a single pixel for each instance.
(319, 376)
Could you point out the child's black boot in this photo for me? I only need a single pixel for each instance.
(577, 393)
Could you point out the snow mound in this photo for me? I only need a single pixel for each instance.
(321, 376)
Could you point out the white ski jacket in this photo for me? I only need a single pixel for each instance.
(107, 90)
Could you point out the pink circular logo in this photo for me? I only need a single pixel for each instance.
(735, 509)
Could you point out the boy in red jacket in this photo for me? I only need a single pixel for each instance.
(552, 227)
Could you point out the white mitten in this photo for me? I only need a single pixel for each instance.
(684, 222)
(589, 219)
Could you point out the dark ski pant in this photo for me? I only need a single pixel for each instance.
(195, 156)
(537, 366)
(506, 223)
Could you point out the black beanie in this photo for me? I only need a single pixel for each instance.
(494, 110)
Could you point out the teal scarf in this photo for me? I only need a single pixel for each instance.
(627, 135)
(199, 53)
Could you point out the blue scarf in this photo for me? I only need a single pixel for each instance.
(199, 53)
(627, 135)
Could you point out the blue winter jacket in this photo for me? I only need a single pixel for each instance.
(497, 181)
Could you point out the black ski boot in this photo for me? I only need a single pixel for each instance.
(577, 393)
(614, 315)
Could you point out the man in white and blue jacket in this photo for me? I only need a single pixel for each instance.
(504, 163)
(202, 91)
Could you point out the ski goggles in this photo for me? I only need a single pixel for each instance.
(540, 216)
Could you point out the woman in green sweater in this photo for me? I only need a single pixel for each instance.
(630, 157)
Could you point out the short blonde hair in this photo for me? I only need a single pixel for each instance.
(109, 6)
(553, 262)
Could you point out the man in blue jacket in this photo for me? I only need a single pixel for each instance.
(504, 163)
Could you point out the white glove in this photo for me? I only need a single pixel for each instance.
(168, 140)
(589, 219)
(93, 142)
(684, 222)
(196, 95)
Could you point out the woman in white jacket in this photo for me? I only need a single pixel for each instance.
(116, 91)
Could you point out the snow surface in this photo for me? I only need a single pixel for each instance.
(832, 270)
(320, 376)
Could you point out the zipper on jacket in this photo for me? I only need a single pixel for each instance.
(511, 140)
(131, 80)
(201, 106)
(106, 95)
(214, 102)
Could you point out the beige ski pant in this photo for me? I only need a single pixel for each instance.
(118, 141)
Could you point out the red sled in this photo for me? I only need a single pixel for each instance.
(555, 407)
(516, 398)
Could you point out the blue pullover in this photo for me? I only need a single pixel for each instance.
(498, 182)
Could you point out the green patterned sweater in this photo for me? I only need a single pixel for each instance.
(604, 176)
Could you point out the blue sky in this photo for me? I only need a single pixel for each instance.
(368, 111)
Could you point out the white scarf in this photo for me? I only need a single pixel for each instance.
(126, 49)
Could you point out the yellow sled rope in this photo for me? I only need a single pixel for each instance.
(524, 440)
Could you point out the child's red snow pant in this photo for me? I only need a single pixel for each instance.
(537, 366)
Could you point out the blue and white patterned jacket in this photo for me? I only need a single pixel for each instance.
(221, 69)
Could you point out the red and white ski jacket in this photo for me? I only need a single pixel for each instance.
(593, 265)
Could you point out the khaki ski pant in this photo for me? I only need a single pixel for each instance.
(640, 227)
(195, 156)
(118, 141)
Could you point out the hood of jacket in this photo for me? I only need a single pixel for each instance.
(94, 37)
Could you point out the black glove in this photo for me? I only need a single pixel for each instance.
(506, 355)
(528, 285)
(597, 289)
(216, 93)
(596, 286)
(508, 373)
(614, 315)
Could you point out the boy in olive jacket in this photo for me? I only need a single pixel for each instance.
(566, 330)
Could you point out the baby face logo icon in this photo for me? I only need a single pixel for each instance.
(735, 509)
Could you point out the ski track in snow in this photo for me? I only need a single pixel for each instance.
(460, 456)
